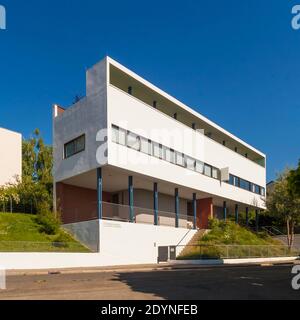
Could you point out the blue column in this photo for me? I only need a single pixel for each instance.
(225, 210)
(247, 216)
(256, 219)
(155, 204)
(130, 200)
(176, 208)
(99, 193)
(195, 210)
(236, 213)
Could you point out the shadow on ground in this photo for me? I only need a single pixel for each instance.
(243, 283)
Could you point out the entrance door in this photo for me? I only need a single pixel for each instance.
(163, 254)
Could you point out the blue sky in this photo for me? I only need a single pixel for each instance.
(236, 62)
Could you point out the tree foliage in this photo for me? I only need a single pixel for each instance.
(284, 205)
(35, 188)
(294, 181)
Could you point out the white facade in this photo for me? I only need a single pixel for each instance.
(120, 244)
(10, 156)
(117, 97)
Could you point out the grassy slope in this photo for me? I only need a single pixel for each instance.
(230, 234)
(20, 232)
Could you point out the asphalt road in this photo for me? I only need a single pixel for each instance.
(252, 282)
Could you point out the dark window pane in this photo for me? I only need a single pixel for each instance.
(75, 146)
(207, 170)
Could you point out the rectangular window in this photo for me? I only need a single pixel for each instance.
(231, 180)
(257, 189)
(133, 141)
(115, 134)
(157, 150)
(146, 146)
(200, 167)
(180, 159)
(244, 184)
(190, 163)
(207, 170)
(75, 146)
(122, 136)
(163, 152)
(236, 181)
(263, 192)
(215, 173)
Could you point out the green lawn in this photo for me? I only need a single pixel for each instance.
(21, 233)
(230, 240)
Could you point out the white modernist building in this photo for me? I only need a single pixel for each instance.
(10, 156)
(129, 152)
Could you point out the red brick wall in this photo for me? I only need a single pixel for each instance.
(204, 212)
(77, 204)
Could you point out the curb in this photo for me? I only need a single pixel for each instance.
(172, 266)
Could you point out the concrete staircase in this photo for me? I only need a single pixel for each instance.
(194, 241)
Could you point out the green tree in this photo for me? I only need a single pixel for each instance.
(294, 181)
(37, 182)
(285, 206)
(9, 194)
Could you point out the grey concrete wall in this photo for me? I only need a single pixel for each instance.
(85, 232)
(144, 199)
(88, 116)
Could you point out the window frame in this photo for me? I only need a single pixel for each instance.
(198, 162)
(188, 158)
(214, 169)
(137, 141)
(177, 153)
(76, 151)
(210, 167)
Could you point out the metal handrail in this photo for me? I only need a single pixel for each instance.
(269, 229)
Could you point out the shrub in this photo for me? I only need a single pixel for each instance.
(48, 223)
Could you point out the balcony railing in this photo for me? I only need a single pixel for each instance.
(118, 212)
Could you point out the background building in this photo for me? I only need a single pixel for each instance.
(10, 156)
